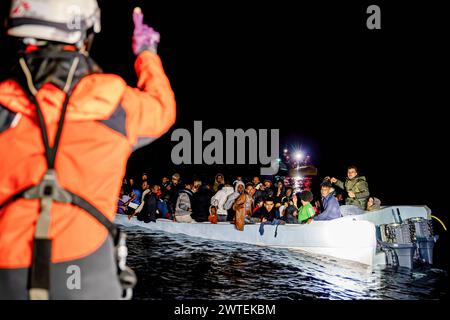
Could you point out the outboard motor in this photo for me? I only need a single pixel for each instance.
(397, 238)
(423, 235)
(410, 238)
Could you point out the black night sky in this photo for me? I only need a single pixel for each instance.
(349, 95)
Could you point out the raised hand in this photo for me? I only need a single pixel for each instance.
(144, 37)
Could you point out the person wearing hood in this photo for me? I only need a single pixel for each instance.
(373, 204)
(183, 207)
(356, 187)
(219, 199)
(243, 207)
(239, 189)
(329, 205)
(219, 180)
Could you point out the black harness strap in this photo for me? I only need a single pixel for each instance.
(94, 212)
(77, 201)
(48, 191)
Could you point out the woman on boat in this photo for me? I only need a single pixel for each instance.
(373, 204)
(243, 207)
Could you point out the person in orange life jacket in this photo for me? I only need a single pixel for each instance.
(70, 124)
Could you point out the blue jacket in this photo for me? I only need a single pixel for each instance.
(331, 209)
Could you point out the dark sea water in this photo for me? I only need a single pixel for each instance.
(180, 267)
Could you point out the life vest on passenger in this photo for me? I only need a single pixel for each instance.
(53, 205)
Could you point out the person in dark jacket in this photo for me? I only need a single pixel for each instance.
(290, 215)
(148, 212)
(280, 192)
(330, 205)
(269, 189)
(172, 191)
(289, 194)
(268, 212)
(201, 203)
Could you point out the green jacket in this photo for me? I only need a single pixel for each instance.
(305, 212)
(359, 186)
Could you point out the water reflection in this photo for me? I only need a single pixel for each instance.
(182, 267)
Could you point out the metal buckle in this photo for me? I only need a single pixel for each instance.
(49, 188)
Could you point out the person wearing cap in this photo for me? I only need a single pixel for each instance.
(69, 130)
(330, 206)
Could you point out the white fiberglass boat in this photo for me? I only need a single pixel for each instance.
(353, 237)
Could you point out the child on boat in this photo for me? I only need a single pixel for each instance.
(306, 211)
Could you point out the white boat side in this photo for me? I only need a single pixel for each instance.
(343, 239)
(350, 238)
(388, 215)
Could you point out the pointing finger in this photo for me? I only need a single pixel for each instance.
(138, 17)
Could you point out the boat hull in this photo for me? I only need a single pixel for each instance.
(342, 239)
(350, 238)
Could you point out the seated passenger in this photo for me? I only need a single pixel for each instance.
(149, 205)
(268, 212)
(289, 214)
(243, 207)
(183, 207)
(288, 195)
(330, 205)
(219, 199)
(201, 204)
(259, 204)
(373, 204)
(306, 211)
(145, 191)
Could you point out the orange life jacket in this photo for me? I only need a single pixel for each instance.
(105, 119)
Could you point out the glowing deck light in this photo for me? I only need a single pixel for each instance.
(286, 150)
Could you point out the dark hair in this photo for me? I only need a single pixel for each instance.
(307, 196)
(259, 199)
(326, 183)
(353, 167)
(269, 199)
(249, 184)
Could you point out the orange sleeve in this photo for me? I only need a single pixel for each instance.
(150, 108)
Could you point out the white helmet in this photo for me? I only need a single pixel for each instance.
(65, 21)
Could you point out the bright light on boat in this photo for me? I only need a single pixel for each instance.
(298, 156)
(286, 150)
